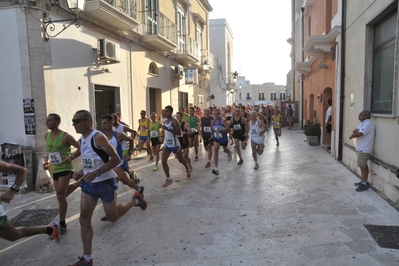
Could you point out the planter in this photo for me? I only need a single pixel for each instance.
(313, 140)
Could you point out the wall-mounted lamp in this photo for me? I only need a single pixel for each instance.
(75, 6)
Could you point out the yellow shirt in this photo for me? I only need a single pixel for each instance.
(144, 127)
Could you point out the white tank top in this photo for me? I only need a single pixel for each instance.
(119, 129)
(91, 160)
(254, 131)
(114, 143)
(170, 139)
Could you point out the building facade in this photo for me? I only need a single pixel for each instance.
(124, 57)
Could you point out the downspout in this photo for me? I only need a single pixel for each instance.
(342, 91)
(302, 58)
(293, 50)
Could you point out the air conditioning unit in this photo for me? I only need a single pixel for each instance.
(178, 72)
(319, 98)
(108, 50)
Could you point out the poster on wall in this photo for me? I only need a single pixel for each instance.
(191, 76)
(29, 116)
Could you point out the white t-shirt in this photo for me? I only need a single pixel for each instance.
(328, 114)
(365, 143)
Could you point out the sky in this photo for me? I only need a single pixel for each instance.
(260, 32)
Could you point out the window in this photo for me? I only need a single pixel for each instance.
(199, 41)
(261, 96)
(273, 96)
(181, 31)
(383, 65)
(248, 96)
(183, 99)
(152, 24)
(239, 96)
(282, 95)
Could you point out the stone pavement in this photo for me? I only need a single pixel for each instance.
(299, 208)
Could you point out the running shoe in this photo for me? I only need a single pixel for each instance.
(240, 162)
(367, 184)
(82, 262)
(256, 166)
(361, 187)
(55, 234)
(61, 229)
(208, 164)
(104, 219)
(151, 159)
(168, 182)
(141, 191)
(278, 144)
(216, 172)
(196, 159)
(131, 175)
(155, 168)
(188, 173)
(141, 202)
(230, 156)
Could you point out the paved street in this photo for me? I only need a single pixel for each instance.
(299, 208)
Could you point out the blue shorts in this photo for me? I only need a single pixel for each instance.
(143, 138)
(173, 149)
(105, 190)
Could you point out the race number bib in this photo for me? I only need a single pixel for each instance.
(276, 124)
(143, 129)
(194, 130)
(237, 127)
(207, 129)
(169, 142)
(154, 134)
(218, 135)
(55, 157)
(87, 163)
(254, 132)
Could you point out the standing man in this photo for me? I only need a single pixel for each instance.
(98, 181)
(364, 141)
(290, 113)
(240, 133)
(219, 131)
(171, 144)
(328, 120)
(193, 122)
(59, 158)
(144, 127)
(257, 129)
(205, 130)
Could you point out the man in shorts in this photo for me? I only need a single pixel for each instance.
(257, 128)
(193, 122)
(205, 130)
(276, 122)
(59, 159)
(240, 133)
(7, 230)
(364, 141)
(171, 143)
(144, 129)
(98, 182)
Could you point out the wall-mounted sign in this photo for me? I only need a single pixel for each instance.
(191, 76)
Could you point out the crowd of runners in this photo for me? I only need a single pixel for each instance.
(105, 155)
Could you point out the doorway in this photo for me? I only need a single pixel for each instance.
(107, 101)
(155, 100)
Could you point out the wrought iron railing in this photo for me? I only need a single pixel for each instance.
(207, 58)
(189, 46)
(128, 7)
(157, 23)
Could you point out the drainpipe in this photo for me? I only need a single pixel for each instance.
(302, 58)
(342, 91)
(293, 50)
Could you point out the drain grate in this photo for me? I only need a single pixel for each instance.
(34, 217)
(385, 236)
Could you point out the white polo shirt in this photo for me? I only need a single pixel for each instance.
(328, 114)
(365, 143)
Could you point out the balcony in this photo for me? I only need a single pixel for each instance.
(248, 98)
(261, 98)
(187, 50)
(120, 14)
(207, 62)
(160, 32)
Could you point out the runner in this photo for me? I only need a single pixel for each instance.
(171, 144)
(59, 159)
(155, 134)
(240, 133)
(229, 115)
(257, 129)
(276, 122)
(206, 134)
(144, 125)
(219, 130)
(184, 138)
(193, 122)
(98, 160)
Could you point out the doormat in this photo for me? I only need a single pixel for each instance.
(34, 217)
(385, 236)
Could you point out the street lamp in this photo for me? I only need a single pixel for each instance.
(75, 6)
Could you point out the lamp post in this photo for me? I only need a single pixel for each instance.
(75, 6)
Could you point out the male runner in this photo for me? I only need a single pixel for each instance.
(257, 129)
(276, 122)
(240, 133)
(144, 126)
(193, 122)
(205, 130)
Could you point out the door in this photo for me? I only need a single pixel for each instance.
(107, 101)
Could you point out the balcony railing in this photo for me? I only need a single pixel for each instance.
(249, 98)
(190, 46)
(261, 98)
(160, 25)
(125, 6)
(207, 58)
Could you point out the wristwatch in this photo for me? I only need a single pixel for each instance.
(97, 173)
(14, 188)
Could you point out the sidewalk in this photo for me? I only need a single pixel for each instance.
(299, 208)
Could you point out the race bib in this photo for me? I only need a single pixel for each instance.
(218, 135)
(207, 129)
(143, 129)
(55, 157)
(87, 163)
(276, 124)
(253, 132)
(169, 142)
(237, 127)
(154, 134)
(194, 130)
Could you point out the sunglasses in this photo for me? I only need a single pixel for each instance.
(77, 121)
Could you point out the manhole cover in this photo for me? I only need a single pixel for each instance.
(385, 236)
(34, 217)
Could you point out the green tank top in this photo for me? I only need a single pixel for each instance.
(57, 153)
(155, 131)
(193, 121)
